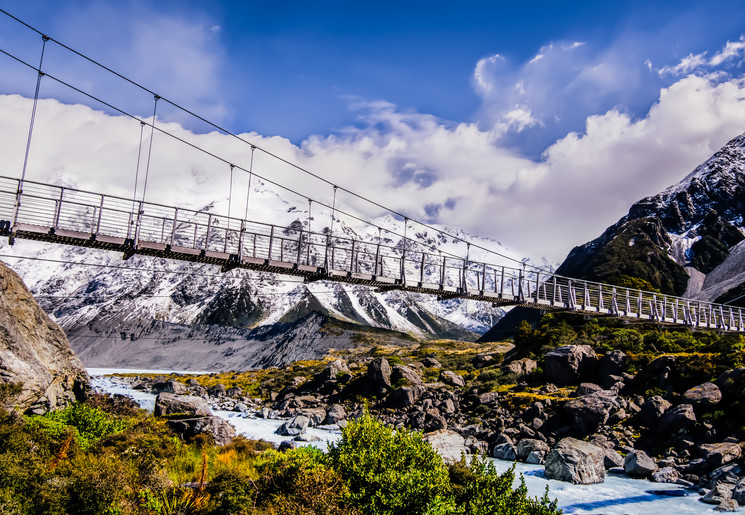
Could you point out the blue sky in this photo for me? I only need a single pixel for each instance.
(517, 86)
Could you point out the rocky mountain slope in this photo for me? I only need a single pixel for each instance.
(685, 240)
(35, 355)
(146, 302)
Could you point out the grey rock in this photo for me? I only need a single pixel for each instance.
(729, 474)
(316, 416)
(587, 388)
(170, 404)
(35, 353)
(576, 462)
(738, 493)
(665, 475)
(482, 360)
(637, 464)
(732, 381)
(304, 437)
(448, 444)
(530, 447)
(612, 364)
(488, 397)
(521, 367)
(406, 373)
(652, 410)
(335, 414)
(727, 505)
(379, 372)
(218, 390)
(293, 427)
(612, 459)
(569, 364)
(169, 386)
(718, 454)
(288, 445)
(430, 362)
(333, 370)
(677, 420)
(222, 432)
(721, 492)
(589, 412)
(236, 392)
(505, 451)
(451, 378)
(702, 396)
(405, 396)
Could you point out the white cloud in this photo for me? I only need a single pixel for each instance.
(693, 63)
(478, 74)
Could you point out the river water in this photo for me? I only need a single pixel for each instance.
(617, 495)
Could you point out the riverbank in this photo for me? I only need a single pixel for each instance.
(616, 495)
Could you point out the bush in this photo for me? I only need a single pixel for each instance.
(388, 471)
(92, 424)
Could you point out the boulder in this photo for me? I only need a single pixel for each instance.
(170, 404)
(235, 392)
(702, 396)
(521, 367)
(721, 492)
(217, 391)
(431, 362)
(505, 451)
(718, 454)
(335, 414)
(569, 364)
(727, 505)
(652, 410)
(731, 381)
(333, 370)
(222, 432)
(729, 474)
(488, 397)
(35, 353)
(613, 459)
(677, 420)
(169, 386)
(451, 378)
(405, 396)
(576, 462)
(589, 412)
(612, 364)
(586, 389)
(638, 465)
(379, 372)
(402, 372)
(293, 427)
(738, 493)
(316, 416)
(482, 360)
(448, 444)
(665, 475)
(531, 450)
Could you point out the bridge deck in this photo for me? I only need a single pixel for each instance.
(49, 213)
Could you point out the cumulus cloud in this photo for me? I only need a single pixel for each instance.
(452, 173)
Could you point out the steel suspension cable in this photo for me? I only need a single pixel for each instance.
(271, 154)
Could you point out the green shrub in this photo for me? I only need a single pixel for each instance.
(388, 471)
(92, 424)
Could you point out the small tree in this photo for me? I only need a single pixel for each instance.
(389, 471)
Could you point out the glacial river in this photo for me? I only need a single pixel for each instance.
(617, 495)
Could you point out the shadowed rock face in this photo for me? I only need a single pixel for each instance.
(34, 352)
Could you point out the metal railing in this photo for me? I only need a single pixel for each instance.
(52, 213)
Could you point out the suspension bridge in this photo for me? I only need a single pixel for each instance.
(51, 213)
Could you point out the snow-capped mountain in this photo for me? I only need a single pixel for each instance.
(150, 302)
(686, 240)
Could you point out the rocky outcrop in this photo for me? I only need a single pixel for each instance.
(703, 396)
(448, 444)
(569, 364)
(638, 464)
(171, 404)
(34, 352)
(576, 462)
